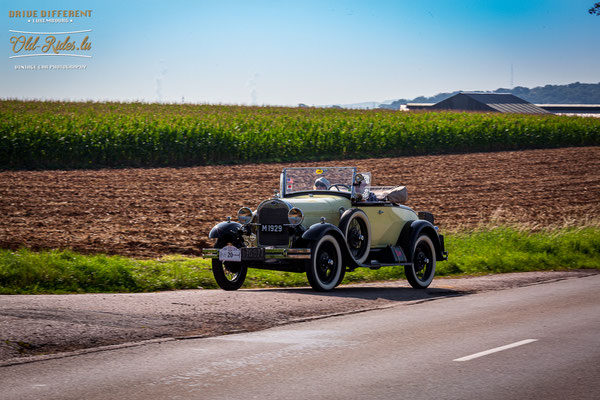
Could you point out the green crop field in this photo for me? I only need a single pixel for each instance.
(88, 135)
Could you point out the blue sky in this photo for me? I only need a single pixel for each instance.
(313, 52)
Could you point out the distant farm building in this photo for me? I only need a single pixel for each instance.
(483, 102)
(572, 109)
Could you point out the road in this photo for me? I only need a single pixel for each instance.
(408, 351)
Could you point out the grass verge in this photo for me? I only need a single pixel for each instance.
(487, 250)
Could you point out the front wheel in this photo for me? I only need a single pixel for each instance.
(420, 274)
(229, 275)
(325, 266)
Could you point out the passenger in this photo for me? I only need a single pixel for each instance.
(372, 197)
(321, 184)
(361, 185)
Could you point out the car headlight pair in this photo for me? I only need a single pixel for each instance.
(295, 216)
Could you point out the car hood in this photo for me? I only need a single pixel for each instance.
(316, 206)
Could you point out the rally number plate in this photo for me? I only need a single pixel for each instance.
(230, 253)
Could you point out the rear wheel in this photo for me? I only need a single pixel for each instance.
(421, 273)
(325, 266)
(229, 275)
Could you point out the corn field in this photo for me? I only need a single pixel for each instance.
(63, 135)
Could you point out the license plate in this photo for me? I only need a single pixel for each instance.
(271, 228)
(230, 253)
(253, 253)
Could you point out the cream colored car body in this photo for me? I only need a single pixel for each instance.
(386, 220)
(314, 207)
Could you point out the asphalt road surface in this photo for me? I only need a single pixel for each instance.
(536, 342)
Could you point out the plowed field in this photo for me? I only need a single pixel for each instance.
(152, 212)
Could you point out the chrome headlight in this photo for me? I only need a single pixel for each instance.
(245, 215)
(295, 216)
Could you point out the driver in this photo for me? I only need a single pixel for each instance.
(321, 184)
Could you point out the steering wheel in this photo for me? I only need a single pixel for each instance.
(337, 186)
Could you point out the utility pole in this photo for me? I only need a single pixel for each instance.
(512, 76)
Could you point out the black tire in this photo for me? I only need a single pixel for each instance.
(325, 266)
(229, 275)
(421, 273)
(341, 278)
(357, 231)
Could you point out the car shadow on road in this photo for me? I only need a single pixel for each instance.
(377, 293)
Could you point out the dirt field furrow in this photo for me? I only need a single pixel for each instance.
(152, 212)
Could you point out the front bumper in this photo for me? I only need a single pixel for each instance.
(261, 253)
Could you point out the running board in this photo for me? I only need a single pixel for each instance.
(377, 265)
(390, 256)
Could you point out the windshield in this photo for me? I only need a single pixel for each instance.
(305, 179)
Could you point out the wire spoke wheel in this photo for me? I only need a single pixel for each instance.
(325, 269)
(326, 262)
(229, 275)
(231, 271)
(421, 272)
(357, 231)
(423, 261)
(357, 237)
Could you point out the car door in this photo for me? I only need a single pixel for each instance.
(387, 221)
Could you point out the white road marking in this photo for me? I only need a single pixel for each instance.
(495, 350)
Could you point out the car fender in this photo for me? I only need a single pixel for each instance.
(316, 231)
(347, 214)
(412, 230)
(227, 230)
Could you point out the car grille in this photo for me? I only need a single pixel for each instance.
(272, 213)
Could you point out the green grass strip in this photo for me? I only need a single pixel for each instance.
(503, 249)
(489, 250)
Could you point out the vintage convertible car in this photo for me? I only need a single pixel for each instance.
(324, 222)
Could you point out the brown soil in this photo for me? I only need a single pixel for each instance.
(152, 212)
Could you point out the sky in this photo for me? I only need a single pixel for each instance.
(290, 52)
